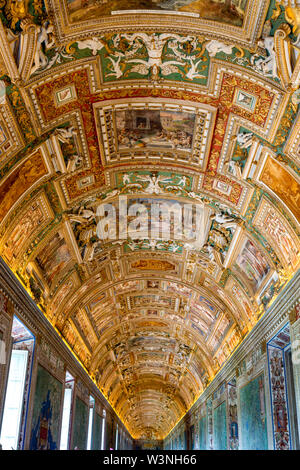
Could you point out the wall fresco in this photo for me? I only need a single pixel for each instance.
(202, 433)
(97, 432)
(220, 427)
(80, 425)
(253, 426)
(46, 415)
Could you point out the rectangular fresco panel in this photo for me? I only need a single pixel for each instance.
(279, 233)
(46, 415)
(65, 95)
(80, 426)
(202, 433)
(34, 217)
(19, 181)
(53, 258)
(229, 11)
(245, 100)
(97, 432)
(253, 415)
(282, 183)
(253, 265)
(154, 129)
(220, 427)
(165, 128)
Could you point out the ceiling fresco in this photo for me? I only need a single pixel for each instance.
(228, 12)
(176, 103)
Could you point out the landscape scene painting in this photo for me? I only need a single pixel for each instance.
(151, 128)
(225, 11)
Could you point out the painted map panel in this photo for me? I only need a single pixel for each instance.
(220, 427)
(202, 433)
(97, 432)
(80, 426)
(46, 415)
(253, 416)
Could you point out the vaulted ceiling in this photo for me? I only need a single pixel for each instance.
(166, 101)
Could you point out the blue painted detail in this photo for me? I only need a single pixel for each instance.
(41, 437)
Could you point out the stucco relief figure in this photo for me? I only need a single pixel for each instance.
(84, 216)
(65, 133)
(267, 66)
(153, 183)
(67, 137)
(45, 39)
(223, 219)
(244, 139)
(75, 162)
(235, 164)
(94, 44)
(32, 37)
(17, 40)
(214, 46)
(156, 184)
(214, 255)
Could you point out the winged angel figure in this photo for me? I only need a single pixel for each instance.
(153, 183)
